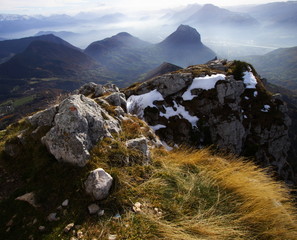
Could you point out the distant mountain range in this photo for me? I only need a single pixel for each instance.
(275, 14)
(265, 19)
(130, 56)
(43, 59)
(9, 48)
(48, 61)
(211, 15)
(278, 66)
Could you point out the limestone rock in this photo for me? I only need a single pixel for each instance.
(119, 112)
(230, 135)
(166, 84)
(44, 118)
(117, 99)
(96, 90)
(224, 113)
(141, 145)
(87, 88)
(79, 124)
(98, 184)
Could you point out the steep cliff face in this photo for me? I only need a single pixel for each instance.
(221, 103)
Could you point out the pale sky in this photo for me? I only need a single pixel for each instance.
(31, 7)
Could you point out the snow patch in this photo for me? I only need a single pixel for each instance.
(179, 110)
(246, 98)
(168, 148)
(255, 93)
(266, 108)
(157, 127)
(249, 80)
(206, 83)
(142, 101)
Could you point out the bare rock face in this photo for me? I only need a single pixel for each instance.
(79, 123)
(98, 184)
(117, 99)
(205, 105)
(97, 90)
(166, 84)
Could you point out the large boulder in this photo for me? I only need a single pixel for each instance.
(78, 125)
(98, 184)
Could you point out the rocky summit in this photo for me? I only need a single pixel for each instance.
(219, 103)
(143, 162)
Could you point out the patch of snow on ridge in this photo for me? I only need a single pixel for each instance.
(206, 83)
(144, 100)
(168, 148)
(157, 127)
(180, 111)
(249, 80)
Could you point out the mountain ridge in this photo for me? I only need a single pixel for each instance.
(9, 48)
(85, 166)
(184, 42)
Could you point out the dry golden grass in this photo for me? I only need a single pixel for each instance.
(199, 196)
(262, 205)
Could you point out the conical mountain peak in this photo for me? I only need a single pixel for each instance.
(183, 35)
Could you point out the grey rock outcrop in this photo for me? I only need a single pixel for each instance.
(117, 99)
(44, 118)
(228, 114)
(98, 184)
(140, 145)
(166, 84)
(96, 90)
(77, 124)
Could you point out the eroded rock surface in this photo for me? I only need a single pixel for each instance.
(198, 107)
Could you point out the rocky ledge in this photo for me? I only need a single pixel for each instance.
(220, 103)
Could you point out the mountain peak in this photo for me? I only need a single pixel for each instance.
(185, 28)
(209, 6)
(123, 34)
(184, 34)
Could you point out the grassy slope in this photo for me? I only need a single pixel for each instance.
(185, 194)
